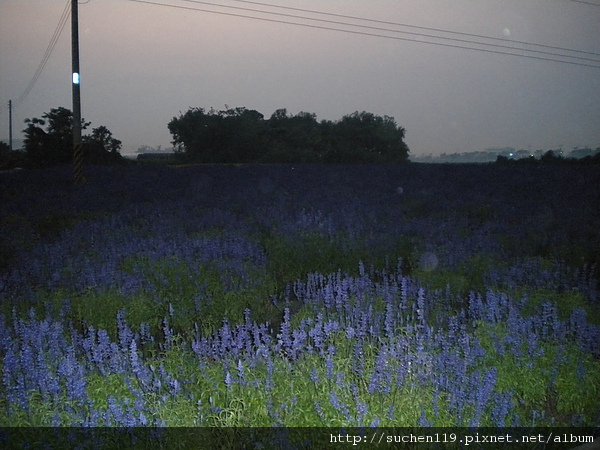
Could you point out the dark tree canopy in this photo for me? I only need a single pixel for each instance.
(101, 146)
(550, 158)
(9, 159)
(294, 138)
(365, 137)
(53, 144)
(231, 135)
(243, 135)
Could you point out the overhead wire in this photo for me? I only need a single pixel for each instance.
(368, 33)
(439, 30)
(511, 47)
(586, 3)
(456, 42)
(57, 32)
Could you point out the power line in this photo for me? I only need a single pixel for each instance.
(463, 41)
(586, 3)
(439, 30)
(46, 57)
(366, 33)
(458, 42)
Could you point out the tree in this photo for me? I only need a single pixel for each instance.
(101, 146)
(366, 137)
(195, 134)
(230, 135)
(242, 135)
(550, 158)
(5, 155)
(54, 144)
(294, 138)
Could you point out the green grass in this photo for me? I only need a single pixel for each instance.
(286, 394)
(559, 379)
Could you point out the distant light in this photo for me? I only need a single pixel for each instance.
(511, 154)
(75, 78)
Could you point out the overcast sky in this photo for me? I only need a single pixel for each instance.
(143, 64)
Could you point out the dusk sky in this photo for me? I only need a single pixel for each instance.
(142, 64)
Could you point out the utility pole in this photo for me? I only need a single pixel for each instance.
(10, 124)
(77, 145)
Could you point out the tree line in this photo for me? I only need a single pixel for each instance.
(550, 157)
(241, 135)
(232, 135)
(49, 142)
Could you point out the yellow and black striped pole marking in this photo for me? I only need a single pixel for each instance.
(78, 163)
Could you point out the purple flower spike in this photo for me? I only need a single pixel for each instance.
(329, 362)
(124, 332)
(314, 376)
(339, 406)
(503, 407)
(240, 370)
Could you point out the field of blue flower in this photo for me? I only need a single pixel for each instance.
(412, 295)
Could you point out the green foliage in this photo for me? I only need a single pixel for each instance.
(289, 260)
(173, 285)
(54, 144)
(101, 147)
(558, 378)
(366, 137)
(232, 135)
(10, 159)
(293, 138)
(461, 279)
(550, 379)
(240, 135)
(565, 302)
(22, 233)
(590, 157)
(309, 252)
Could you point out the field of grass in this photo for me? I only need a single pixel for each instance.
(301, 296)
